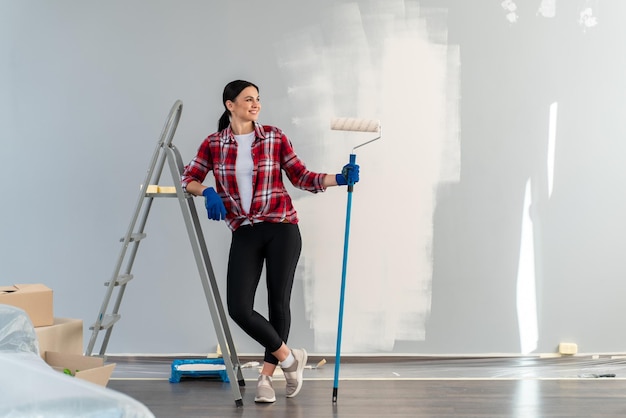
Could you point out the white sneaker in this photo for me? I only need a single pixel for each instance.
(264, 390)
(293, 374)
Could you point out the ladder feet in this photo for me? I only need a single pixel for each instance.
(239, 403)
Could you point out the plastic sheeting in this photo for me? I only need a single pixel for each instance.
(17, 334)
(31, 388)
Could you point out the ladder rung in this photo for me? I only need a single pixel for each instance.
(135, 237)
(121, 279)
(170, 195)
(161, 195)
(108, 321)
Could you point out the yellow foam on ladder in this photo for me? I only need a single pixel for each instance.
(153, 188)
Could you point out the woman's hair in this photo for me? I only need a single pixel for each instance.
(231, 91)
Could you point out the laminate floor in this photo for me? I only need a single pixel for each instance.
(570, 387)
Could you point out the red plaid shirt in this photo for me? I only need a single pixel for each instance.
(272, 152)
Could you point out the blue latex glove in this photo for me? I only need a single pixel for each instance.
(349, 174)
(214, 206)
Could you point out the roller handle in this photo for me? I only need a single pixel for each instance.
(350, 182)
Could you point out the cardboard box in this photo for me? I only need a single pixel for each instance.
(35, 299)
(65, 335)
(87, 368)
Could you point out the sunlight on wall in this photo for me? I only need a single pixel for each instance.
(554, 108)
(526, 273)
(526, 289)
(385, 63)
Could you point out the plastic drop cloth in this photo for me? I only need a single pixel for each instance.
(31, 388)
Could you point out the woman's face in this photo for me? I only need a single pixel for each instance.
(246, 106)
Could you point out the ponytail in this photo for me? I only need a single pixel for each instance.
(224, 121)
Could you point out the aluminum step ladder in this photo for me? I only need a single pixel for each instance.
(149, 191)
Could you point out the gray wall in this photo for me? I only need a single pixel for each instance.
(86, 86)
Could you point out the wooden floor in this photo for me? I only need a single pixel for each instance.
(410, 398)
(374, 396)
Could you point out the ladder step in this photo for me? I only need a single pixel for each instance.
(135, 237)
(121, 279)
(108, 321)
(161, 195)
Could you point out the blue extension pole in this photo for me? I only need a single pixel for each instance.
(343, 283)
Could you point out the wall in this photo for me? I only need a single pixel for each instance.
(488, 215)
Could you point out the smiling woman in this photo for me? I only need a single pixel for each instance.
(247, 160)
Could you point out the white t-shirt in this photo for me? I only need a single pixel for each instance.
(243, 169)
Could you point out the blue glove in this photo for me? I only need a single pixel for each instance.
(214, 206)
(349, 174)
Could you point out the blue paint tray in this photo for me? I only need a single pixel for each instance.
(205, 367)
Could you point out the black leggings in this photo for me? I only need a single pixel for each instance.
(278, 245)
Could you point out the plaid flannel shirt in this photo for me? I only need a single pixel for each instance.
(272, 153)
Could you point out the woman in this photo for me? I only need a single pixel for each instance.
(247, 160)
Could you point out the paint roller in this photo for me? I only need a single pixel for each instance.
(357, 125)
(353, 125)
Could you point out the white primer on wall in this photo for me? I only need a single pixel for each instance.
(385, 63)
(547, 8)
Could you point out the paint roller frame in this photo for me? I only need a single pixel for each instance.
(352, 125)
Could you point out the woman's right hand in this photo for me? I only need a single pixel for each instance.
(214, 206)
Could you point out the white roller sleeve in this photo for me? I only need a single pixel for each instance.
(355, 124)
